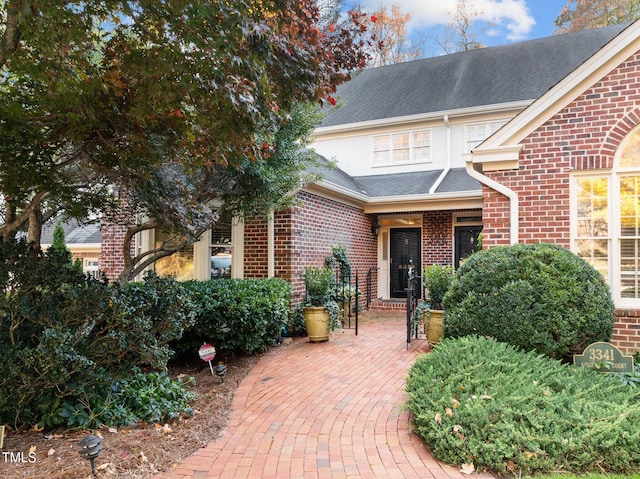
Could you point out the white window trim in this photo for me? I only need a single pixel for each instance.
(615, 277)
(499, 123)
(411, 148)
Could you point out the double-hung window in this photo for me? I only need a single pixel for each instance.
(402, 148)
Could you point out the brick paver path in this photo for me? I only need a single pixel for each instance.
(324, 410)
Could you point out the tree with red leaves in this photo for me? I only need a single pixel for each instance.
(176, 101)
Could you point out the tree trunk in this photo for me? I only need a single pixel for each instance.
(34, 233)
(10, 216)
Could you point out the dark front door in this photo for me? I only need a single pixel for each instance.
(404, 250)
(466, 241)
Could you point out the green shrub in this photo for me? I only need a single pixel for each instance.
(539, 297)
(437, 280)
(141, 397)
(475, 400)
(319, 284)
(63, 334)
(237, 316)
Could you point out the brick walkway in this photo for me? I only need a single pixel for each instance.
(325, 410)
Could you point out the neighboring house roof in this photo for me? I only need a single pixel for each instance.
(75, 233)
(489, 76)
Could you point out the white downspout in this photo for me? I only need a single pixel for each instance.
(449, 154)
(271, 255)
(500, 188)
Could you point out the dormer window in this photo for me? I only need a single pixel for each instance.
(402, 148)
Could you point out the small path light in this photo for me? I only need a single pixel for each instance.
(221, 370)
(90, 447)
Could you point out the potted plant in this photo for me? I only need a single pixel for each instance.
(437, 280)
(421, 313)
(317, 309)
(344, 294)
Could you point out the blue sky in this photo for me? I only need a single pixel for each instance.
(511, 20)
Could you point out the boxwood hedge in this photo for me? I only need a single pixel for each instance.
(236, 316)
(539, 297)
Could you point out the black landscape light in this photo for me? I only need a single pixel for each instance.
(90, 447)
(221, 370)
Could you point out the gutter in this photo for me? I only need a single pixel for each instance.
(447, 167)
(514, 225)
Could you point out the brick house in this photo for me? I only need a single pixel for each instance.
(84, 241)
(536, 141)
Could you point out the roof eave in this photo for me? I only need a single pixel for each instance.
(425, 202)
(422, 117)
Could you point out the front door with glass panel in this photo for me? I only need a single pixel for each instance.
(404, 251)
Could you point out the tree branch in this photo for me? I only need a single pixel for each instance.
(11, 227)
(11, 37)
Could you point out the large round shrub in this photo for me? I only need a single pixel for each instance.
(538, 297)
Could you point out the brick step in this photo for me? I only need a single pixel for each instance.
(388, 304)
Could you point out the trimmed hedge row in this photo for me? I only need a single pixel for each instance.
(479, 401)
(243, 316)
(64, 336)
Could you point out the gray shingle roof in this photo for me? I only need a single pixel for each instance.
(74, 232)
(417, 183)
(502, 74)
(398, 184)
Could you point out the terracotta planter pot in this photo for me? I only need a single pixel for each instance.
(435, 329)
(316, 319)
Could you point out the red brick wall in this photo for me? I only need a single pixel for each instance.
(255, 248)
(317, 224)
(626, 333)
(437, 238)
(584, 135)
(111, 260)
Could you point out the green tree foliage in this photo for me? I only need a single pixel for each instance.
(168, 105)
(59, 243)
(538, 297)
(579, 15)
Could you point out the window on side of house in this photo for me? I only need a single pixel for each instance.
(90, 266)
(221, 247)
(476, 133)
(179, 265)
(402, 148)
(592, 223)
(607, 222)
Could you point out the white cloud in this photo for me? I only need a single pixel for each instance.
(512, 15)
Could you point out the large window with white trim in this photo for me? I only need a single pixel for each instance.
(606, 221)
(402, 148)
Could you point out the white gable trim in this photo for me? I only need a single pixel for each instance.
(509, 137)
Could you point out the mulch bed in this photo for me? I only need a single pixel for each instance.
(139, 452)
